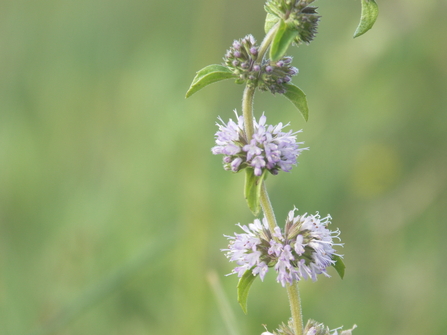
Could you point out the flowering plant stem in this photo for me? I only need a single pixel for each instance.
(292, 290)
(305, 248)
(247, 110)
(265, 44)
(249, 92)
(295, 307)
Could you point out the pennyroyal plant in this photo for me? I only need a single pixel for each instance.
(305, 247)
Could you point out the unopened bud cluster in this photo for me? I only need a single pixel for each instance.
(242, 60)
(298, 15)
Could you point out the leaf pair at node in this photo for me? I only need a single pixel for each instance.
(215, 72)
(247, 279)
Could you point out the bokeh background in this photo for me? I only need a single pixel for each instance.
(113, 209)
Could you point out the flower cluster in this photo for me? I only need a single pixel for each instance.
(296, 13)
(302, 251)
(270, 148)
(283, 329)
(315, 328)
(312, 328)
(242, 60)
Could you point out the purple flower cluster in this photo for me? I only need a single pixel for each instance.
(312, 328)
(302, 251)
(270, 148)
(242, 60)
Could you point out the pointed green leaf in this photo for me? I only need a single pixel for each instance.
(298, 98)
(243, 287)
(208, 75)
(270, 21)
(370, 10)
(281, 41)
(339, 266)
(252, 190)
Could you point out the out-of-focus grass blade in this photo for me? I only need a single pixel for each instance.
(104, 287)
(223, 304)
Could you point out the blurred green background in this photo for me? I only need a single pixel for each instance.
(113, 209)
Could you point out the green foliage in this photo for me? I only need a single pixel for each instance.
(243, 287)
(281, 41)
(252, 191)
(339, 265)
(370, 11)
(209, 75)
(298, 98)
(270, 21)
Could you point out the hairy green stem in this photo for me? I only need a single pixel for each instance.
(267, 208)
(247, 111)
(292, 290)
(265, 44)
(295, 307)
(249, 92)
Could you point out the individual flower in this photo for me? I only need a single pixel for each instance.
(298, 15)
(315, 328)
(270, 148)
(303, 250)
(275, 75)
(242, 60)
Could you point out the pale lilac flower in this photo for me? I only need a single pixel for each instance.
(270, 148)
(302, 251)
(344, 332)
(312, 328)
(315, 328)
(260, 269)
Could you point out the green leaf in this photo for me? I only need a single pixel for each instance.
(298, 98)
(281, 41)
(243, 287)
(252, 190)
(270, 21)
(370, 10)
(339, 266)
(208, 75)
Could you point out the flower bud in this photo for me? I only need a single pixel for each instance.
(242, 60)
(298, 15)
